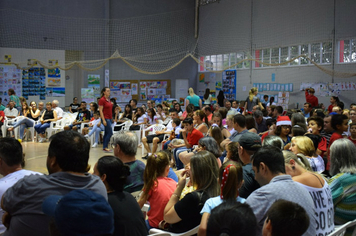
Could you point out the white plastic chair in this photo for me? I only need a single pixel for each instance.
(341, 230)
(193, 231)
(28, 130)
(7, 124)
(124, 126)
(152, 130)
(56, 126)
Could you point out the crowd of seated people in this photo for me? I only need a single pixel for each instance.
(258, 168)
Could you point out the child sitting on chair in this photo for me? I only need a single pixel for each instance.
(96, 126)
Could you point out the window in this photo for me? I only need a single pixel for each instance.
(321, 52)
(304, 50)
(294, 52)
(315, 52)
(327, 50)
(284, 55)
(266, 56)
(274, 55)
(347, 50)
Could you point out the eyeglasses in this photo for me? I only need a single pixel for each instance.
(113, 146)
(285, 126)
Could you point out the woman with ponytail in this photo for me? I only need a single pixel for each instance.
(252, 100)
(128, 218)
(230, 179)
(157, 188)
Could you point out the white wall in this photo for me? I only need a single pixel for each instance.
(20, 55)
(239, 25)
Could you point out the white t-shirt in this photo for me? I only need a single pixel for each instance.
(152, 122)
(207, 101)
(141, 118)
(323, 203)
(59, 112)
(95, 122)
(13, 112)
(317, 164)
(7, 182)
(273, 103)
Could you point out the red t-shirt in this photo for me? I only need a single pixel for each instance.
(264, 136)
(107, 107)
(330, 108)
(2, 114)
(311, 99)
(159, 196)
(353, 140)
(322, 144)
(194, 136)
(333, 137)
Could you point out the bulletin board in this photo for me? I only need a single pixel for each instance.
(141, 90)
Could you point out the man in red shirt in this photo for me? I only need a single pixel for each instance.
(309, 96)
(191, 137)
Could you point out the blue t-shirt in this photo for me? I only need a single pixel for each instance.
(194, 100)
(172, 175)
(213, 202)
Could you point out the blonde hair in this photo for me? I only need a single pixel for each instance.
(191, 92)
(305, 145)
(300, 159)
(251, 93)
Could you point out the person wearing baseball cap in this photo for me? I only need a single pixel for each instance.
(248, 144)
(78, 213)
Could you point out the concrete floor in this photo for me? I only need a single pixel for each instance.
(36, 155)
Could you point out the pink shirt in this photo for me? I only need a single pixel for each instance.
(158, 199)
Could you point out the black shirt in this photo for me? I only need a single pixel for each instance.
(188, 209)
(74, 107)
(128, 217)
(48, 115)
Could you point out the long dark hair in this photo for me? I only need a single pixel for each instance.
(114, 105)
(130, 112)
(103, 90)
(207, 93)
(137, 115)
(115, 170)
(153, 113)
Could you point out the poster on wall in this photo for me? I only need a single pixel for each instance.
(143, 94)
(134, 89)
(34, 83)
(107, 79)
(10, 78)
(121, 95)
(95, 88)
(94, 79)
(229, 84)
(59, 92)
(54, 73)
(55, 82)
(155, 90)
(87, 95)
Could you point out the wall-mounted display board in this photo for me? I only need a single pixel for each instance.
(229, 84)
(141, 90)
(10, 78)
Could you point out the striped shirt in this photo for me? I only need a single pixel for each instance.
(343, 190)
